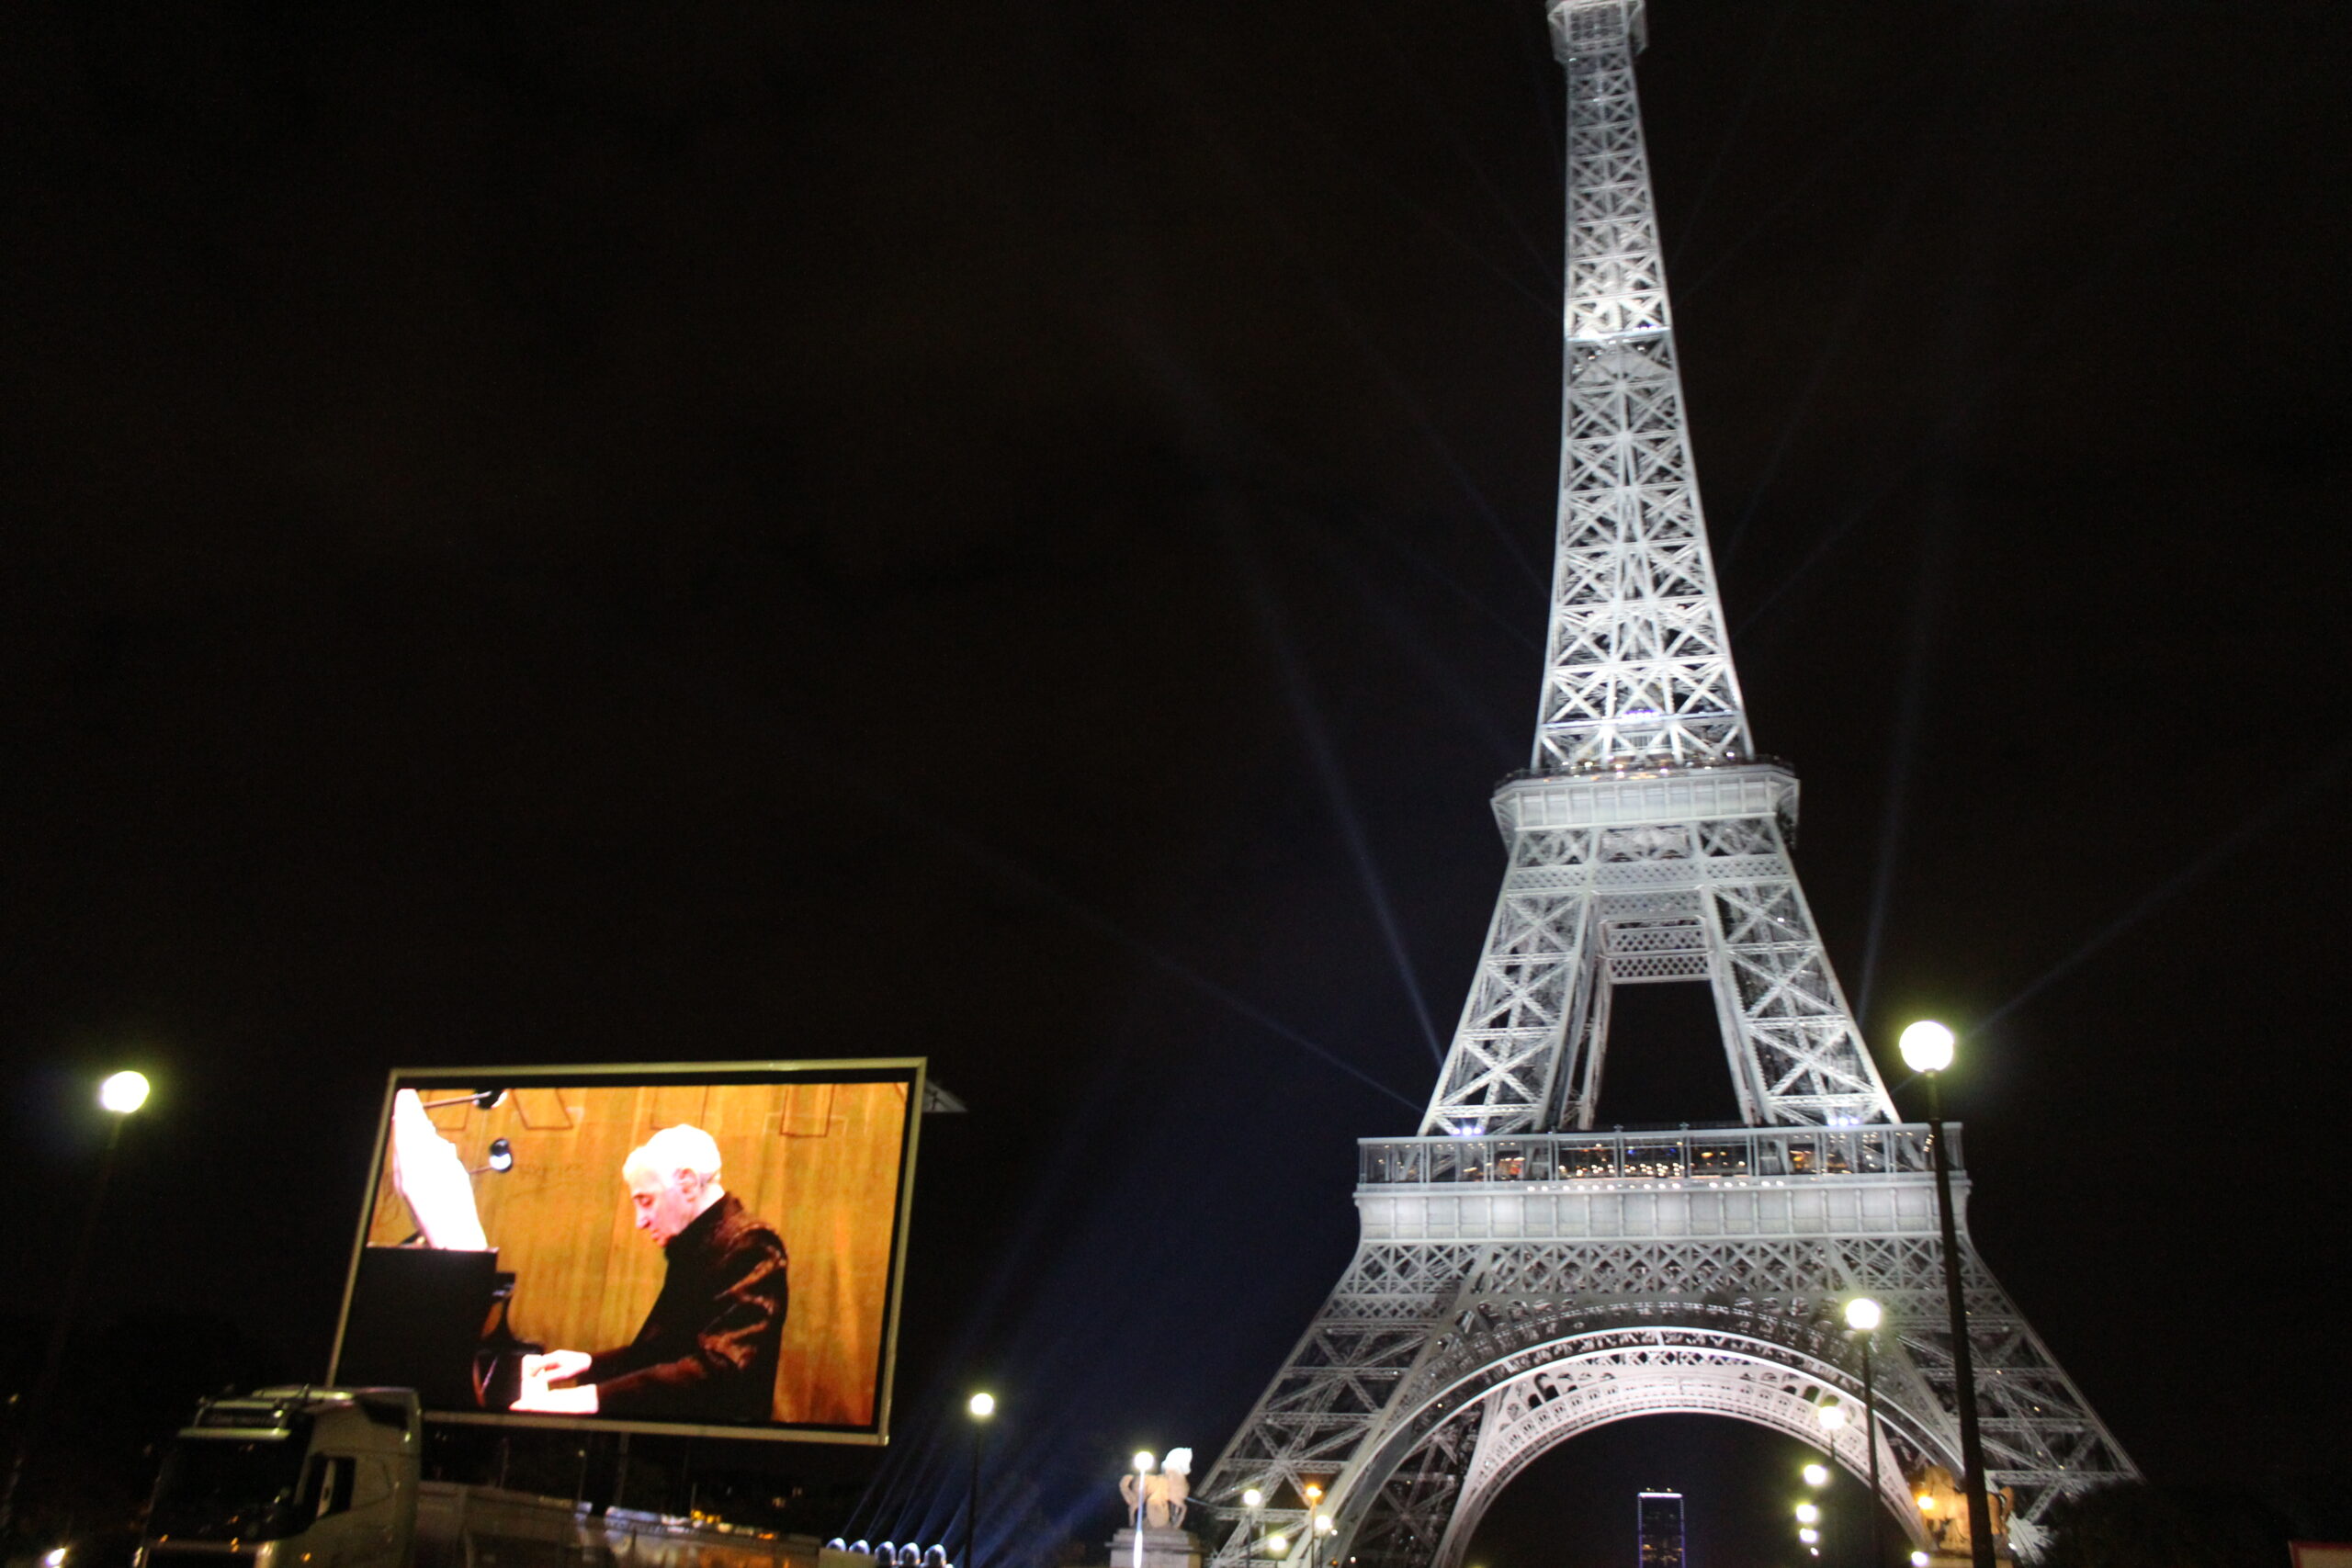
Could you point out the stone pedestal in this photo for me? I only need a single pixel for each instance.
(1161, 1549)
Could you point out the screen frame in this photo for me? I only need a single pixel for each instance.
(912, 1071)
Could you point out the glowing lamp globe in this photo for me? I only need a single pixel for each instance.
(1926, 1046)
(123, 1093)
(1807, 1514)
(1816, 1476)
(1143, 1461)
(1862, 1315)
(982, 1406)
(1253, 1499)
(1833, 1417)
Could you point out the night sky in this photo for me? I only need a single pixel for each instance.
(1016, 533)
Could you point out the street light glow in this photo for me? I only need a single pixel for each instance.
(1808, 1535)
(1816, 1476)
(1276, 1545)
(1926, 1046)
(1323, 1525)
(122, 1094)
(1862, 1315)
(1253, 1499)
(982, 1406)
(1807, 1514)
(1143, 1461)
(1918, 1560)
(1833, 1416)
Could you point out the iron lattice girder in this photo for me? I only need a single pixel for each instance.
(1700, 850)
(1464, 1287)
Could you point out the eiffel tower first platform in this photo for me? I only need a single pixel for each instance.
(1522, 1277)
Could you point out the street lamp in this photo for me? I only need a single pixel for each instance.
(1143, 1463)
(1927, 1049)
(1862, 1316)
(120, 1095)
(1253, 1500)
(981, 1406)
(1816, 1476)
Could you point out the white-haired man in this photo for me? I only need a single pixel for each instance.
(709, 1349)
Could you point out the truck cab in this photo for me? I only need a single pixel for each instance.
(297, 1477)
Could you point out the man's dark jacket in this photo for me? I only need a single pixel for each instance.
(707, 1352)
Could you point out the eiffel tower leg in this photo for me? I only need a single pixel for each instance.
(1799, 1056)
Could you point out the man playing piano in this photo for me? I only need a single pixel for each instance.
(709, 1348)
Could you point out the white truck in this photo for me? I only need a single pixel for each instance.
(308, 1477)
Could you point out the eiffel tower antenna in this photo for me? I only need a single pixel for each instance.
(1522, 1277)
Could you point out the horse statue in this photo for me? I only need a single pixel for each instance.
(1164, 1494)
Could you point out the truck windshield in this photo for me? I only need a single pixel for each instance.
(228, 1489)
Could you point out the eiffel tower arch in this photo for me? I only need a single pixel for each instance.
(1522, 1276)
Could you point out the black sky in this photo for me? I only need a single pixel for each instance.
(602, 533)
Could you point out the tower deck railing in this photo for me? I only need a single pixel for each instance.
(1690, 1153)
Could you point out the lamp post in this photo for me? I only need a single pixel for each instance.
(120, 1095)
(1816, 1476)
(1862, 1316)
(1144, 1463)
(1927, 1049)
(1253, 1500)
(981, 1406)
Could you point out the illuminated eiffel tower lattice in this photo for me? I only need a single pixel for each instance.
(1522, 1277)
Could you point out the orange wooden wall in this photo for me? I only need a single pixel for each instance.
(819, 1162)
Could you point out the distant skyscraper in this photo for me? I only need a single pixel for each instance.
(1661, 1517)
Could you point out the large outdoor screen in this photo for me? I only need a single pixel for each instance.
(710, 1248)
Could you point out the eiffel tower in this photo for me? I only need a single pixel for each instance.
(1522, 1277)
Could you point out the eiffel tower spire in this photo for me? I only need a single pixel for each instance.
(1638, 665)
(1522, 1278)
